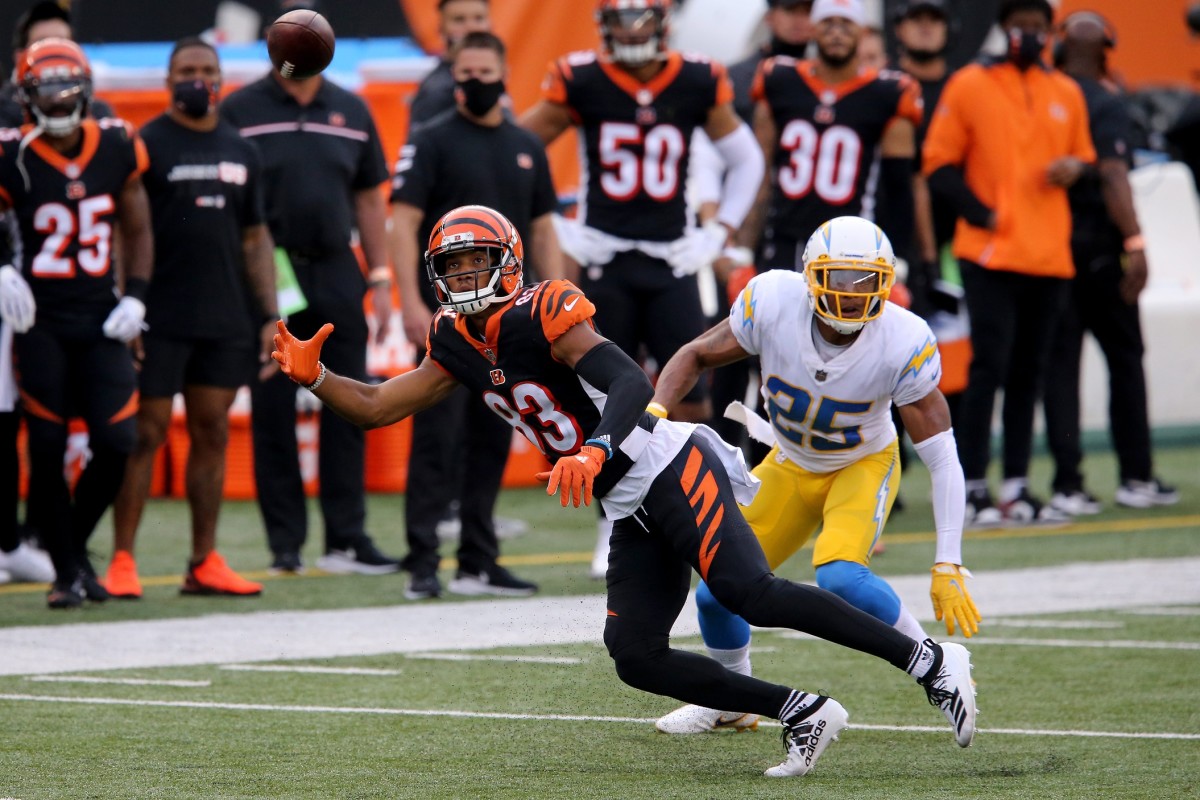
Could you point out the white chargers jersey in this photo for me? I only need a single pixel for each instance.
(828, 414)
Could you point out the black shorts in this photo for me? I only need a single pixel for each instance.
(172, 364)
(640, 302)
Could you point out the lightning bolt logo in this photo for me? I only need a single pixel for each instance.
(920, 357)
(749, 301)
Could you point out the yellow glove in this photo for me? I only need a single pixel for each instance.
(952, 600)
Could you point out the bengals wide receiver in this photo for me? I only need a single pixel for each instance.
(671, 488)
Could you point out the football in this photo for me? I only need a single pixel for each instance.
(300, 44)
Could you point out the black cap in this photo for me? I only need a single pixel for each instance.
(788, 3)
(911, 7)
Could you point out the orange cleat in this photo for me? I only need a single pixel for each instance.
(213, 576)
(122, 578)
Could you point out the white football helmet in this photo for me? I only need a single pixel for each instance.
(850, 268)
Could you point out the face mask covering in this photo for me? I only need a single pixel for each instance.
(1025, 48)
(480, 97)
(193, 98)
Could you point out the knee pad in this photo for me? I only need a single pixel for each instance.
(720, 627)
(861, 588)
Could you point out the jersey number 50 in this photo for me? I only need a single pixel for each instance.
(657, 171)
(827, 162)
(59, 225)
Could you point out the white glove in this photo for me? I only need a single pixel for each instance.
(127, 321)
(698, 248)
(17, 306)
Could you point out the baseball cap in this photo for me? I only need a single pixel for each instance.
(911, 7)
(846, 9)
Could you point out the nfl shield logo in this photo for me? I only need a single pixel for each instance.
(490, 355)
(821, 375)
(646, 116)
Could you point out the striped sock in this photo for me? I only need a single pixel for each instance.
(924, 659)
(798, 706)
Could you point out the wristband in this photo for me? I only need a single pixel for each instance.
(1135, 243)
(321, 373)
(658, 410)
(379, 275)
(604, 444)
(136, 287)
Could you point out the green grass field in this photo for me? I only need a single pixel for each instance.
(1086, 703)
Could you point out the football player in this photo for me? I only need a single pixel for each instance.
(832, 132)
(73, 183)
(637, 103)
(835, 358)
(534, 356)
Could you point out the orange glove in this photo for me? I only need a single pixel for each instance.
(576, 474)
(300, 359)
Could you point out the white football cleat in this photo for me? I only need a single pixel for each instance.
(27, 564)
(698, 719)
(951, 689)
(806, 739)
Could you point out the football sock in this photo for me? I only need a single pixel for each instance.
(908, 625)
(923, 659)
(797, 706)
(735, 660)
(975, 486)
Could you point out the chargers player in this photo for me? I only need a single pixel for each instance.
(533, 355)
(835, 358)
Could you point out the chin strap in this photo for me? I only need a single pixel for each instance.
(37, 131)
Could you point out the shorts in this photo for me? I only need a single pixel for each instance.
(849, 506)
(640, 302)
(172, 364)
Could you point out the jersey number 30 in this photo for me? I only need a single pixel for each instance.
(825, 161)
(656, 172)
(60, 226)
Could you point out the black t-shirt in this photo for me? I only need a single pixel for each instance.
(315, 158)
(67, 212)
(205, 189)
(434, 97)
(1111, 130)
(637, 137)
(451, 162)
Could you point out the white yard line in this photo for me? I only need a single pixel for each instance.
(421, 712)
(1054, 624)
(298, 668)
(120, 681)
(444, 626)
(514, 659)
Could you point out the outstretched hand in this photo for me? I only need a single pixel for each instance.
(300, 358)
(575, 474)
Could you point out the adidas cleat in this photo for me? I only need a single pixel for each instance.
(698, 719)
(949, 687)
(807, 738)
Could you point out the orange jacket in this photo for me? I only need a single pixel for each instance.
(1003, 127)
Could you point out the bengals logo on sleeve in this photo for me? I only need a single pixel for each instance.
(561, 306)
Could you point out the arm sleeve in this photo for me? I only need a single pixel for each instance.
(940, 454)
(607, 368)
(705, 170)
(745, 168)
(948, 181)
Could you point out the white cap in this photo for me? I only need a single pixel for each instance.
(846, 9)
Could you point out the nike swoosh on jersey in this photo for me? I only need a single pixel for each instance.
(570, 305)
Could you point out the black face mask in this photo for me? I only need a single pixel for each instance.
(480, 97)
(1025, 48)
(194, 98)
(925, 56)
(779, 47)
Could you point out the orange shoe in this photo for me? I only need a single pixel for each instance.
(122, 578)
(213, 576)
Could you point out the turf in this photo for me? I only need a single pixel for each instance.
(1052, 716)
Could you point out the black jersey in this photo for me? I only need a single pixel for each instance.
(518, 378)
(827, 153)
(205, 190)
(67, 213)
(637, 137)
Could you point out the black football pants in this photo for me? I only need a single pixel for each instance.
(459, 450)
(690, 521)
(1094, 304)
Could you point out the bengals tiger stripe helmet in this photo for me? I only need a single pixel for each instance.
(54, 85)
(850, 266)
(634, 32)
(477, 231)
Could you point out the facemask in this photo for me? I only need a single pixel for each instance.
(193, 98)
(1025, 48)
(480, 97)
